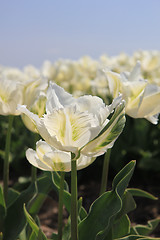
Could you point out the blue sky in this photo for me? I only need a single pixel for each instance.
(32, 31)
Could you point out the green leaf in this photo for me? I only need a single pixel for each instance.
(33, 236)
(2, 209)
(55, 179)
(122, 179)
(38, 232)
(145, 230)
(15, 219)
(121, 227)
(105, 209)
(44, 186)
(12, 196)
(141, 193)
(128, 204)
(136, 237)
(67, 230)
(54, 236)
(22, 235)
(34, 195)
(82, 212)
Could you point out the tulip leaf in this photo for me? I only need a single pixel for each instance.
(44, 186)
(141, 193)
(12, 196)
(145, 230)
(33, 236)
(67, 230)
(2, 209)
(105, 209)
(38, 232)
(54, 236)
(121, 227)
(15, 211)
(128, 204)
(121, 180)
(136, 237)
(55, 178)
(34, 196)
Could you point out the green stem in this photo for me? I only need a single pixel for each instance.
(74, 206)
(33, 174)
(60, 207)
(6, 160)
(104, 180)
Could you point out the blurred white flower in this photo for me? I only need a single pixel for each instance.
(10, 95)
(142, 98)
(35, 99)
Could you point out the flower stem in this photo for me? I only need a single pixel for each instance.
(60, 207)
(74, 206)
(104, 180)
(6, 160)
(33, 174)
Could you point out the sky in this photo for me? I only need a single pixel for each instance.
(32, 31)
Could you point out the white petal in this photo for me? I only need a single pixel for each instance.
(150, 104)
(60, 161)
(35, 161)
(108, 135)
(114, 82)
(57, 98)
(34, 117)
(153, 119)
(136, 72)
(84, 161)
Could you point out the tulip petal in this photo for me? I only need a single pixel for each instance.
(136, 72)
(33, 159)
(84, 161)
(57, 97)
(150, 103)
(114, 83)
(108, 135)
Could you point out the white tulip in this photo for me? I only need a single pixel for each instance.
(75, 124)
(142, 98)
(48, 158)
(35, 100)
(10, 95)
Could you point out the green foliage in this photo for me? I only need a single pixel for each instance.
(145, 230)
(139, 140)
(34, 197)
(37, 233)
(2, 209)
(104, 210)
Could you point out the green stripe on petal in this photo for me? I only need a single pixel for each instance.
(108, 135)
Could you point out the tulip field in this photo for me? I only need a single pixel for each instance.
(72, 122)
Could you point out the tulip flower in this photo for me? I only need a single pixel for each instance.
(48, 158)
(142, 98)
(78, 124)
(80, 130)
(10, 96)
(35, 99)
